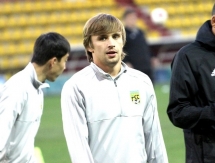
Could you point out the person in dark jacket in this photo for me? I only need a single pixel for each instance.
(192, 94)
(136, 47)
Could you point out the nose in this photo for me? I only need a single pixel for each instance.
(111, 43)
(111, 46)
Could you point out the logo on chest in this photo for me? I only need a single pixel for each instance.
(135, 97)
(213, 73)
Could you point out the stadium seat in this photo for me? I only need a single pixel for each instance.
(21, 22)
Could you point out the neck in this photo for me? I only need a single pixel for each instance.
(131, 27)
(112, 70)
(114, 73)
(40, 72)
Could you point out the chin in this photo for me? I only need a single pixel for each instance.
(51, 79)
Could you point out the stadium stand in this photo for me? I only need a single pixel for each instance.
(21, 22)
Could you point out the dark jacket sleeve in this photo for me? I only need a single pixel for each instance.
(183, 109)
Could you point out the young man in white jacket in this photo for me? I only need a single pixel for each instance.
(109, 110)
(21, 98)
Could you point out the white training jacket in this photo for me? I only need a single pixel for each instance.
(108, 120)
(21, 106)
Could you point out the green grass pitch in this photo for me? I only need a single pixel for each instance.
(50, 138)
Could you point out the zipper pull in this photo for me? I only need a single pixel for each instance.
(115, 83)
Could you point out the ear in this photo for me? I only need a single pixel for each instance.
(213, 21)
(213, 24)
(90, 50)
(52, 62)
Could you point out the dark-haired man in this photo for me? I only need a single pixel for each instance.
(136, 47)
(21, 98)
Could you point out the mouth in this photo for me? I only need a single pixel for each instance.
(111, 53)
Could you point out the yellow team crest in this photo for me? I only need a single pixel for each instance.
(135, 97)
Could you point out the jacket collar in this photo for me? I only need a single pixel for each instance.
(205, 35)
(100, 72)
(33, 77)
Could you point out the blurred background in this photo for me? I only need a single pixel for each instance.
(168, 25)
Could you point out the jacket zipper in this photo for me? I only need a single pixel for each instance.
(115, 83)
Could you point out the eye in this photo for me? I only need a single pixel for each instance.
(102, 38)
(115, 36)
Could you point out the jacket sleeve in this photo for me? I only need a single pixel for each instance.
(75, 125)
(182, 110)
(11, 104)
(154, 142)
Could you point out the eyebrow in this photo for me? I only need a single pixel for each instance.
(112, 33)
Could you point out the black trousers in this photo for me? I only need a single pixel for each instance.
(199, 148)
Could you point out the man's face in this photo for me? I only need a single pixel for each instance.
(57, 68)
(107, 49)
(131, 20)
